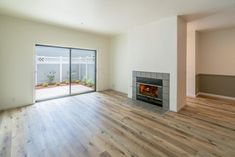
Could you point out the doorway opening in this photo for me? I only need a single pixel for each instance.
(62, 71)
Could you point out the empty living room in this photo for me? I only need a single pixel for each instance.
(117, 78)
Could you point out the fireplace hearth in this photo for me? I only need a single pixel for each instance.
(151, 88)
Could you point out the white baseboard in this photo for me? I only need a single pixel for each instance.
(216, 96)
(8, 107)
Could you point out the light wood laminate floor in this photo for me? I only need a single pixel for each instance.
(102, 124)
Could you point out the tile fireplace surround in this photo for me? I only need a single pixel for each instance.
(165, 77)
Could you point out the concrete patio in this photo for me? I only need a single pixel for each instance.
(52, 92)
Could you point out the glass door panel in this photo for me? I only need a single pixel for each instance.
(52, 72)
(83, 74)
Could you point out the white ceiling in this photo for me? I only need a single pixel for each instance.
(219, 20)
(108, 16)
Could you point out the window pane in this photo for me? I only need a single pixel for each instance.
(52, 72)
(82, 71)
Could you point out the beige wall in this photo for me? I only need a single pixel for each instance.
(151, 47)
(17, 52)
(181, 62)
(192, 60)
(217, 52)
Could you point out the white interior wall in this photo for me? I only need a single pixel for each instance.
(17, 50)
(150, 47)
(119, 63)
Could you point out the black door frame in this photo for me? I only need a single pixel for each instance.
(70, 70)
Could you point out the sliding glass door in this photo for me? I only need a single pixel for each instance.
(64, 71)
(82, 71)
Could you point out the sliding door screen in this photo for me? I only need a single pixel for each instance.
(64, 71)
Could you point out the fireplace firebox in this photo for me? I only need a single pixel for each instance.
(149, 90)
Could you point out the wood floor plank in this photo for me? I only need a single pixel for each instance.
(105, 124)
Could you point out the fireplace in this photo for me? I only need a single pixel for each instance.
(149, 90)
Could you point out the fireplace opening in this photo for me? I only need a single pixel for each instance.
(149, 90)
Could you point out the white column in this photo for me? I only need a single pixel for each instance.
(61, 66)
